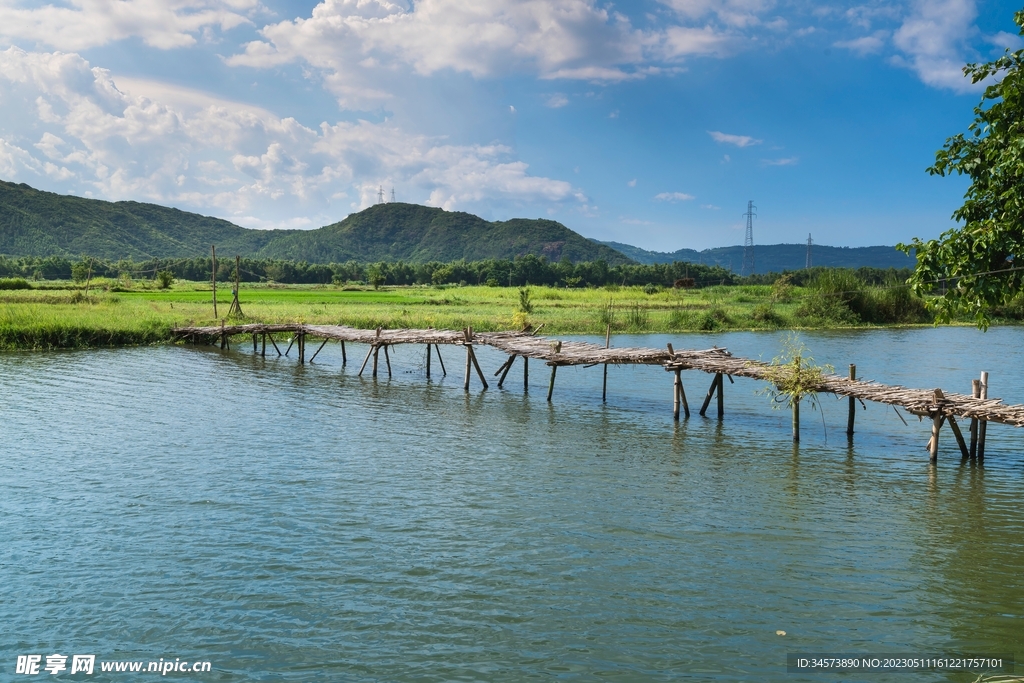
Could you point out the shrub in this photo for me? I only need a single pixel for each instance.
(707, 322)
(684, 283)
(164, 279)
(765, 313)
(782, 289)
(651, 289)
(525, 305)
(637, 317)
(492, 282)
(14, 283)
(607, 315)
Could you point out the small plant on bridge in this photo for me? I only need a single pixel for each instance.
(791, 376)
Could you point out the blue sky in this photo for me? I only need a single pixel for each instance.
(649, 122)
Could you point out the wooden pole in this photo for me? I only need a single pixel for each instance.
(213, 279)
(290, 342)
(983, 424)
(721, 397)
(964, 452)
(796, 419)
(479, 372)
(376, 351)
(508, 366)
(675, 396)
(387, 359)
(526, 373)
(711, 393)
(469, 363)
(369, 352)
(223, 336)
(551, 382)
(682, 396)
(254, 342)
(437, 350)
(344, 358)
(976, 393)
(607, 345)
(428, 361)
(302, 347)
(933, 445)
(263, 352)
(319, 349)
(275, 344)
(853, 405)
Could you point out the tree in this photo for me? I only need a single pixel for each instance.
(980, 264)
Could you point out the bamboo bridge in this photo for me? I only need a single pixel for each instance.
(939, 406)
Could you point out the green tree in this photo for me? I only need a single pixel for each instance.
(980, 264)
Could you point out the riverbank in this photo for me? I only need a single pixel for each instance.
(63, 315)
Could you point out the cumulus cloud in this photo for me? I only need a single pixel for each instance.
(865, 45)
(673, 197)
(934, 41)
(80, 24)
(557, 100)
(73, 124)
(728, 139)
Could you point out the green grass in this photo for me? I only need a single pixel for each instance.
(62, 316)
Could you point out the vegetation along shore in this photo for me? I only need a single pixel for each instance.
(92, 310)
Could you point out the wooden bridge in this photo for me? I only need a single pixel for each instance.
(940, 407)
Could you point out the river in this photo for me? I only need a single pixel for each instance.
(299, 523)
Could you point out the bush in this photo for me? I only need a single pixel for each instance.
(637, 317)
(164, 279)
(525, 305)
(896, 303)
(707, 322)
(14, 283)
(765, 313)
(651, 289)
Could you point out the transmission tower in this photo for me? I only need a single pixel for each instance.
(380, 194)
(809, 243)
(392, 195)
(748, 242)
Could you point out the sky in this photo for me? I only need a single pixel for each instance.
(648, 122)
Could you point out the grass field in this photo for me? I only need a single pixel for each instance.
(61, 315)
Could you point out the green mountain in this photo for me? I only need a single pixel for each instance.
(37, 223)
(414, 233)
(775, 258)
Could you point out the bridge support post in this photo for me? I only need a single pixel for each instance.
(551, 382)
(796, 419)
(983, 424)
(428, 361)
(976, 393)
(853, 405)
(344, 359)
(526, 373)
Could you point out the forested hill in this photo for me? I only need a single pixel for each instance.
(37, 223)
(417, 234)
(775, 258)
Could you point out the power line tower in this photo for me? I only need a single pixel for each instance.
(392, 195)
(809, 243)
(380, 194)
(748, 242)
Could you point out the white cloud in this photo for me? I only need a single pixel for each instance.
(865, 45)
(788, 161)
(557, 101)
(933, 39)
(74, 125)
(631, 183)
(738, 140)
(673, 197)
(80, 24)
(710, 207)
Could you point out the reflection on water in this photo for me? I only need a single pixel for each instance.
(299, 523)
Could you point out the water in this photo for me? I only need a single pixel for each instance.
(295, 523)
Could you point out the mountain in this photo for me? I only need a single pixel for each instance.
(774, 258)
(414, 233)
(37, 223)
